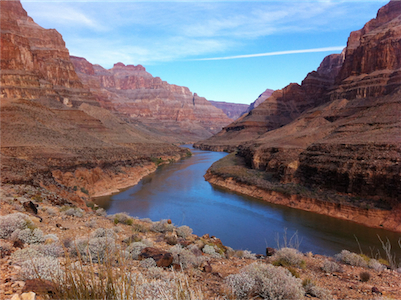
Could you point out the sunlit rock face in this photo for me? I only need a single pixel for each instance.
(340, 129)
(135, 94)
(35, 63)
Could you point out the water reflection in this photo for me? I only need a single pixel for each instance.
(180, 193)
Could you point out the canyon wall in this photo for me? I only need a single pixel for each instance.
(340, 130)
(52, 124)
(136, 95)
(232, 110)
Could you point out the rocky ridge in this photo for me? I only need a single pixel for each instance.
(136, 95)
(232, 110)
(341, 129)
(53, 131)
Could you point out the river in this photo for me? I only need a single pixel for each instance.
(179, 192)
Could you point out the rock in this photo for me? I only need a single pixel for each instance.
(335, 131)
(18, 244)
(15, 297)
(30, 207)
(40, 286)
(270, 251)
(207, 268)
(133, 92)
(162, 258)
(232, 110)
(28, 296)
(375, 290)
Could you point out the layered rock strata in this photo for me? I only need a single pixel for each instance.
(341, 129)
(53, 131)
(136, 95)
(232, 110)
(282, 107)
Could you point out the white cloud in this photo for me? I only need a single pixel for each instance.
(314, 50)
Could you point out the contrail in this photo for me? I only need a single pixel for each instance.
(326, 49)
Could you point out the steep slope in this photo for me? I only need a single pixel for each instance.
(232, 110)
(282, 107)
(350, 146)
(262, 97)
(51, 124)
(136, 95)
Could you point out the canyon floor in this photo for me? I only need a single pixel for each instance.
(205, 272)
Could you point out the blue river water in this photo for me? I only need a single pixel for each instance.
(179, 192)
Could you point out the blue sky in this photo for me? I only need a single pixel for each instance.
(214, 48)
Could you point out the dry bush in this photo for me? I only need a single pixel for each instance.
(184, 231)
(12, 222)
(351, 258)
(288, 257)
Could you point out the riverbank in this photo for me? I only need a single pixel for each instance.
(201, 267)
(231, 173)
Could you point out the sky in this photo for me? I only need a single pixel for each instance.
(228, 51)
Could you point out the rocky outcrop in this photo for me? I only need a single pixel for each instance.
(232, 110)
(35, 62)
(262, 97)
(136, 95)
(52, 126)
(282, 107)
(340, 130)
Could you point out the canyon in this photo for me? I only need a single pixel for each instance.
(55, 132)
(339, 130)
(136, 96)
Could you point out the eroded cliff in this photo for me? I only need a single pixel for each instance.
(52, 125)
(136, 95)
(340, 130)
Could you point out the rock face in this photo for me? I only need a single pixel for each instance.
(340, 130)
(232, 110)
(35, 62)
(282, 107)
(262, 97)
(52, 124)
(136, 95)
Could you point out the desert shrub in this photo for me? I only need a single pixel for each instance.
(147, 263)
(135, 249)
(101, 212)
(26, 254)
(184, 231)
(156, 273)
(330, 266)
(101, 248)
(375, 265)
(365, 276)
(266, 281)
(147, 242)
(122, 218)
(74, 212)
(185, 257)
(162, 226)
(78, 247)
(242, 285)
(208, 249)
(230, 252)
(29, 236)
(10, 223)
(288, 257)
(52, 237)
(316, 291)
(146, 220)
(91, 224)
(45, 267)
(101, 232)
(53, 250)
(139, 228)
(351, 258)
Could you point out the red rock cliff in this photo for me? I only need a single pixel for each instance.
(35, 63)
(132, 92)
